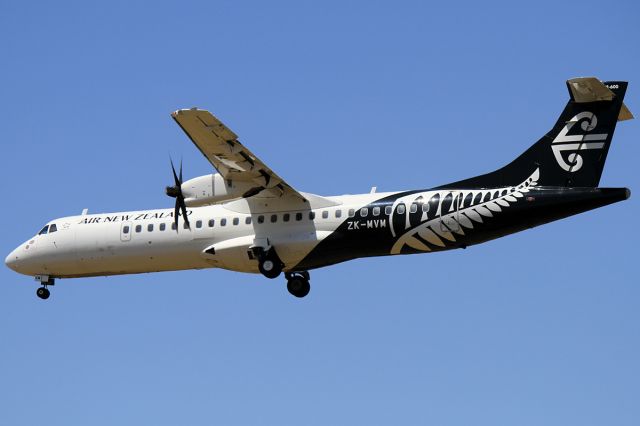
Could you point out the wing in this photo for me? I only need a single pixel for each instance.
(232, 159)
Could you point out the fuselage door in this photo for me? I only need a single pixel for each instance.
(449, 210)
(125, 231)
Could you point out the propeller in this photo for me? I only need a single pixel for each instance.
(176, 192)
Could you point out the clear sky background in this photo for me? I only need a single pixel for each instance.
(539, 328)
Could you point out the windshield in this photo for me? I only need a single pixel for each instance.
(44, 230)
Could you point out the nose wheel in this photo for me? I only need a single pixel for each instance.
(43, 293)
(298, 283)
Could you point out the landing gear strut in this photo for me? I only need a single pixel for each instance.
(298, 283)
(43, 292)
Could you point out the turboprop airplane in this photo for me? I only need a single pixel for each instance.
(246, 218)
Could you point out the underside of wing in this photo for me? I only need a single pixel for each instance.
(233, 160)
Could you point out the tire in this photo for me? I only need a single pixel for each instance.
(43, 293)
(298, 286)
(270, 268)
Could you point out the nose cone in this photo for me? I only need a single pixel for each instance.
(12, 260)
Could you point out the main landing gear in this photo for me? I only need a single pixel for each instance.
(298, 283)
(43, 292)
(270, 265)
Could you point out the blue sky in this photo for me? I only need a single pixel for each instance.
(537, 328)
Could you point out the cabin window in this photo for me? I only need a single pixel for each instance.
(125, 229)
(260, 219)
(376, 211)
(174, 226)
(413, 208)
(223, 222)
(163, 226)
(298, 216)
(338, 213)
(364, 212)
(312, 215)
(138, 228)
(401, 208)
(44, 230)
(274, 218)
(185, 225)
(236, 221)
(211, 223)
(352, 212)
(247, 221)
(325, 214)
(285, 217)
(387, 210)
(198, 224)
(150, 227)
(53, 228)
(425, 207)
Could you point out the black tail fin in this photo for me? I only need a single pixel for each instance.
(573, 153)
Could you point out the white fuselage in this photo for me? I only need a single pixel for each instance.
(220, 236)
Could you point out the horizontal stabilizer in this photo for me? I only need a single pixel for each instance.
(590, 89)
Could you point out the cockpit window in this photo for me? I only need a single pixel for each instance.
(53, 228)
(44, 230)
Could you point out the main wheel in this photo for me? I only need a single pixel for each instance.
(270, 268)
(43, 293)
(298, 286)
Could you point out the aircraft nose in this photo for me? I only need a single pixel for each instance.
(12, 260)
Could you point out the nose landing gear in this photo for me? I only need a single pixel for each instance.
(298, 283)
(43, 292)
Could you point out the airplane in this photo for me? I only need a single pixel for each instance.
(246, 218)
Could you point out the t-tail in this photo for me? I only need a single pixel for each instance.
(573, 153)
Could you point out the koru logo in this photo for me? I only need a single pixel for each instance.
(563, 142)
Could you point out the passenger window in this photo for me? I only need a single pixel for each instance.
(401, 208)
(248, 220)
(236, 221)
(312, 215)
(198, 224)
(325, 214)
(425, 207)
(338, 213)
(223, 222)
(387, 210)
(285, 217)
(260, 219)
(298, 216)
(352, 212)
(184, 225)
(53, 228)
(274, 218)
(376, 211)
(413, 208)
(163, 226)
(125, 229)
(44, 230)
(138, 228)
(211, 223)
(364, 212)
(174, 226)
(150, 227)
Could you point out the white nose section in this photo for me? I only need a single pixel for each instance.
(12, 260)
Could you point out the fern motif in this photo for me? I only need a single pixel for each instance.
(474, 206)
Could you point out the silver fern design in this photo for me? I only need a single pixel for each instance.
(432, 220)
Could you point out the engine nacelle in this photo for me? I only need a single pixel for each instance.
(213, 189)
